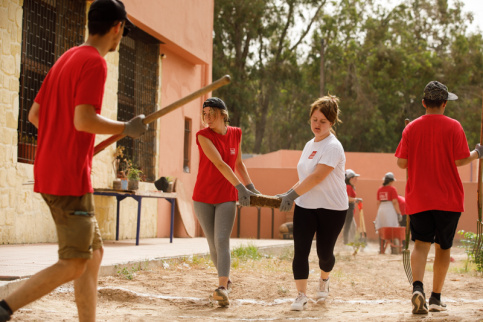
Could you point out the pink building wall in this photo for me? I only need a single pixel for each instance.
(276, 172)
(186, 29)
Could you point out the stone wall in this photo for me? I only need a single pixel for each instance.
(24, 217)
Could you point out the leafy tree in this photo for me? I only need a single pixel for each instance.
(376, 59)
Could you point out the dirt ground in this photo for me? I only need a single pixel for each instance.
(366, 287)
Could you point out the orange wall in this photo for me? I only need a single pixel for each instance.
(371, 167)
(185, 26)
(186, 29)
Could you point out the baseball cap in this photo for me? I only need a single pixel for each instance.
(110, 10)
(349, 173)
(436, 91)
(390, 176)
(214, 102)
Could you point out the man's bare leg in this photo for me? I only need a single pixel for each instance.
(46, 281)
(442, 259)
(85, 288)
(419, 257)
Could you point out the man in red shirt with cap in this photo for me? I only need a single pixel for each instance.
(431, 149)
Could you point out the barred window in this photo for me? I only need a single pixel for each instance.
(187, 145)
(49, 28)
(137, 94)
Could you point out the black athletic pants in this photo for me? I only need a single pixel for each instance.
(306, 222)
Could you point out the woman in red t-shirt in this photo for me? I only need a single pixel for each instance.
(388, 212)
(217, 187)
(350, 181)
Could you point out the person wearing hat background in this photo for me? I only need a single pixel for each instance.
(217, 187)
(350, 181)
(66, 112)
(431, 148)
(320, 200)
(388, 211)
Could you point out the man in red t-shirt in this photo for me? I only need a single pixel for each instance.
(66, 112)
(431, 148)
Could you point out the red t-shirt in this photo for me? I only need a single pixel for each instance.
(63, 160)
(431, 144)
(211, 186)
(386, 193)
(350, 191)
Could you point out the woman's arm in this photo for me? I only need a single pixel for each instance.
(354, 199)
(241, 169)
(320, 173)
(395, 203)
(214, 156)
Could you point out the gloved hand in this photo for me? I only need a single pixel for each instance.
(251, 187)
(135, 127)
(399, 217)
(358, 200)
(280, 196)
(244, 195)
(479, 149)
(287, 200)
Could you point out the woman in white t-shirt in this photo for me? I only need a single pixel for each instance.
(320, 199)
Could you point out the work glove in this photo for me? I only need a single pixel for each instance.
(135, 127)
(244, 195)
(280, 196)
(287, 200)
(251, 187)
(479, 149)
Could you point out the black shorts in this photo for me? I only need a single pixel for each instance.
(434, 226)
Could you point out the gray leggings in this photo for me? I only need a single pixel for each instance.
(217, 221)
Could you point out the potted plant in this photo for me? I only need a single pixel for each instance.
(133, 176)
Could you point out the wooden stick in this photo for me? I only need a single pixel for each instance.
(154, 116)
(265, 201)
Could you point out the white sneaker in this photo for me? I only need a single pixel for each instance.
(322, 290)
(300, 302)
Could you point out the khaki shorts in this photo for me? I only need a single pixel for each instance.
(76, 224)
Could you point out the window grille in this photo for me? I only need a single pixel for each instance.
(49, 28)
(137, 94)
(187, 145)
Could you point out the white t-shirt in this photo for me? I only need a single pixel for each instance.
(331, 193)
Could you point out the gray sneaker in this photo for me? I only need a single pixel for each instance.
(221, 295)
(436, 305)
(299, 303)
(419, 303)
(322, 290)
(4, 315)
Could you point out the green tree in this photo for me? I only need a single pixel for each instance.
(253, 41)
(377, 60)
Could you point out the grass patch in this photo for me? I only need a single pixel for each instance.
(130, 272)
(244, 253)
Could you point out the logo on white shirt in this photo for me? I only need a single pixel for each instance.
(232, 151)
(312, 155)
